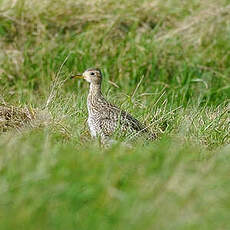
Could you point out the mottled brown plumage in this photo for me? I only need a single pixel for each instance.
(104, 118)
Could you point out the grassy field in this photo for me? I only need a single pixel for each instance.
(167, 63)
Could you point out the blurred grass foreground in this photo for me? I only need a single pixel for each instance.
(167, 63)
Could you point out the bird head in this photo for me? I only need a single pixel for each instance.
(92, 75)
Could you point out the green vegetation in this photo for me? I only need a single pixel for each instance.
(167, 63)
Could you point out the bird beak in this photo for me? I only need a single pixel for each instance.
(80, 76)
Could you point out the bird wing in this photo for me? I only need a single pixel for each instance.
(130, 122)
(114, 119)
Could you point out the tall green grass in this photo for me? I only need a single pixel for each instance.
(167, 63)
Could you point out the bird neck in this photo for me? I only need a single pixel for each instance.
(95, 90)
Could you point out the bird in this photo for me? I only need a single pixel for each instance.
(104, 118)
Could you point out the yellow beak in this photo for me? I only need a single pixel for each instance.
(80, 76)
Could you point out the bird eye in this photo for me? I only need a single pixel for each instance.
(92, 73)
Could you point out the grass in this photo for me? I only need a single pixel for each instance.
(166, 62)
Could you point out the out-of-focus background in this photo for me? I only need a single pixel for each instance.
(166, 62)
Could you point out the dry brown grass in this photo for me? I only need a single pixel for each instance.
(15, 117)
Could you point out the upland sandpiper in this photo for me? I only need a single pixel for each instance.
(104, 119)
